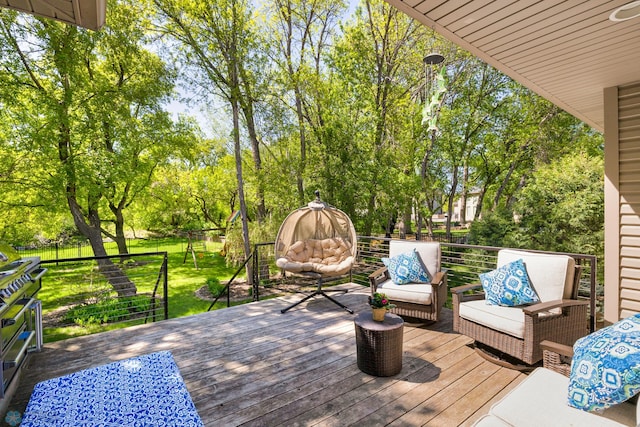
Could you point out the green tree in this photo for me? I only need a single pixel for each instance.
(302, 30)
(378, 61)
(562, 207)
(219, 38)
(90, 105)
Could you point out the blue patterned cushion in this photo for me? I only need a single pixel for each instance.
(407, 268)
(508, 285)
(146, 390)
(605, 369)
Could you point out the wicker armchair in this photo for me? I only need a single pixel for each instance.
(518, 331)
(415, 300)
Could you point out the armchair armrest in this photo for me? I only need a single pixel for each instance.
(459, 293)
(465, 288)
(377, 277)
(439, 278)
(557, 357)
(549, 305)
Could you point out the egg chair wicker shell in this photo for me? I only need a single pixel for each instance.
(313, 239)
(317, 241)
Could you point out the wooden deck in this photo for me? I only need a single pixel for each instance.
(251, 365)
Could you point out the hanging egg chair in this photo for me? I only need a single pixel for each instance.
(317, 241)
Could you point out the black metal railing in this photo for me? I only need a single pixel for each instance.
(89, 296)
(92, 294)
(464, 263)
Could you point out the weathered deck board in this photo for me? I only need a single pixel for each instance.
(251, 365)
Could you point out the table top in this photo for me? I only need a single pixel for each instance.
(391, 321)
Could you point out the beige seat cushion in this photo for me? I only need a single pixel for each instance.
(541, 400)
(550, 275)
(419, 293)
(509, 320)
(327, 256)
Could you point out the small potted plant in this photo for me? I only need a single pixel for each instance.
(379, 306)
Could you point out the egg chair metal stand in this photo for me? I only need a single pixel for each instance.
(319, 291)
(317, 241)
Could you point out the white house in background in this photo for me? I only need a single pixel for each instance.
(470, 209)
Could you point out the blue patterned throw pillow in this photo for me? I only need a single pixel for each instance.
(605, 369)
(508, 285)
(406, 268)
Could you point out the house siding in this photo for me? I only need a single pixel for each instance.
(622, 201)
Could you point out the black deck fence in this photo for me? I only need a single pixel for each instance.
(93, 298)
(464, 263)
(95, 294)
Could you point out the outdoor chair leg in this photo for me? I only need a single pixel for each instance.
(319, 291)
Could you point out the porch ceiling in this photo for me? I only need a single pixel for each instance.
(84, 13)
(566, 51)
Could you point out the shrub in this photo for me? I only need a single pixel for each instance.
(108, 310)
(215, 287)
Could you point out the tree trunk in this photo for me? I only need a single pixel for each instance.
(120, 238)
(406, 218)
(116, 277)
(478, 213)
(503, 185)
(419, 222)
(90, 226)
(452, 193)
(245, 101)
(235, 108)
(463, 195)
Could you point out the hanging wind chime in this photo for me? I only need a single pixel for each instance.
(434, 87)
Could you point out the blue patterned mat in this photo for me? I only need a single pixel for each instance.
(142, 391)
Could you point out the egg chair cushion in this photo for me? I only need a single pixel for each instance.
(331, 256)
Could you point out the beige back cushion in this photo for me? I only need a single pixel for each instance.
(550, 275)
(429, 252)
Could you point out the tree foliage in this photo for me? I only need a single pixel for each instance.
(560, 209)
(300, 98)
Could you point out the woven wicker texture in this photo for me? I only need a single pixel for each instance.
(556, 362)
(379, 344)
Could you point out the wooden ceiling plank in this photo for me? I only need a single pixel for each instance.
(412, 3)
(504, 30)
(427, 6)
(590, 46)
(20, 5)
(448, 7)
(59, 9)
(462, 14)
(595, 74)
(583, 82)
(562, 34)
(599, 54)
(495, 16)
(542, 23)
(583, 41)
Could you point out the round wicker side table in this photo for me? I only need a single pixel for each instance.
(379, 344)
